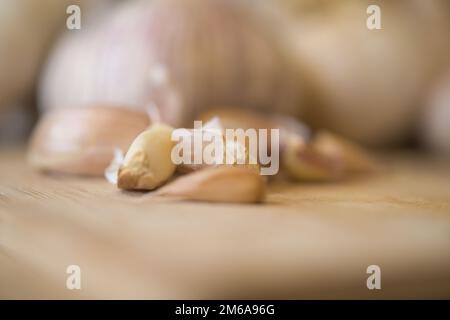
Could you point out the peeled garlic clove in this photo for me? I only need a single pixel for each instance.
(148, 162)
(82, 140)
(304, 162)
(354, 158)
(218, 184)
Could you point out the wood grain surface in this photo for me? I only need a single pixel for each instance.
(307, 241)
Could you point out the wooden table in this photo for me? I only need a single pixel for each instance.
(307, 241)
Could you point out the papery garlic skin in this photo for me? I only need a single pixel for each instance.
(303, 162)
(112, 171)
(215, 53)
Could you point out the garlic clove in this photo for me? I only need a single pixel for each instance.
(112, 171)
(304, 162)
(148, 163)
(226, 184)
(354, 158)
(82, 140)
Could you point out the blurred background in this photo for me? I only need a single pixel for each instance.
(86, 91)
(315, 60)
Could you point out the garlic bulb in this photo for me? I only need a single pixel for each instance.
(366, 84)
(214, 52)
(26, 30)
(24, 35)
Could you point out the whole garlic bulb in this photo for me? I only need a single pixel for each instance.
(435, 119)
(215, 52)
(366, 84)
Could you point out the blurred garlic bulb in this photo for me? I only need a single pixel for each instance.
(364, 83)
(26, 30)
(435, 120)
(24, 34)
(215, 52)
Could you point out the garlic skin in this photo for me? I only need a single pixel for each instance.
(25, 32)
(215, 52)
(27, 28)
(303, 162)
(112, 171)
(82, 140)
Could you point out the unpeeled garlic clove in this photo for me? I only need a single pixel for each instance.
(224, 184)
(148, 163)
(82, 140)
(355, 159)
(303, 162)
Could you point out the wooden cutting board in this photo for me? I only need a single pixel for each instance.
(307, 241)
